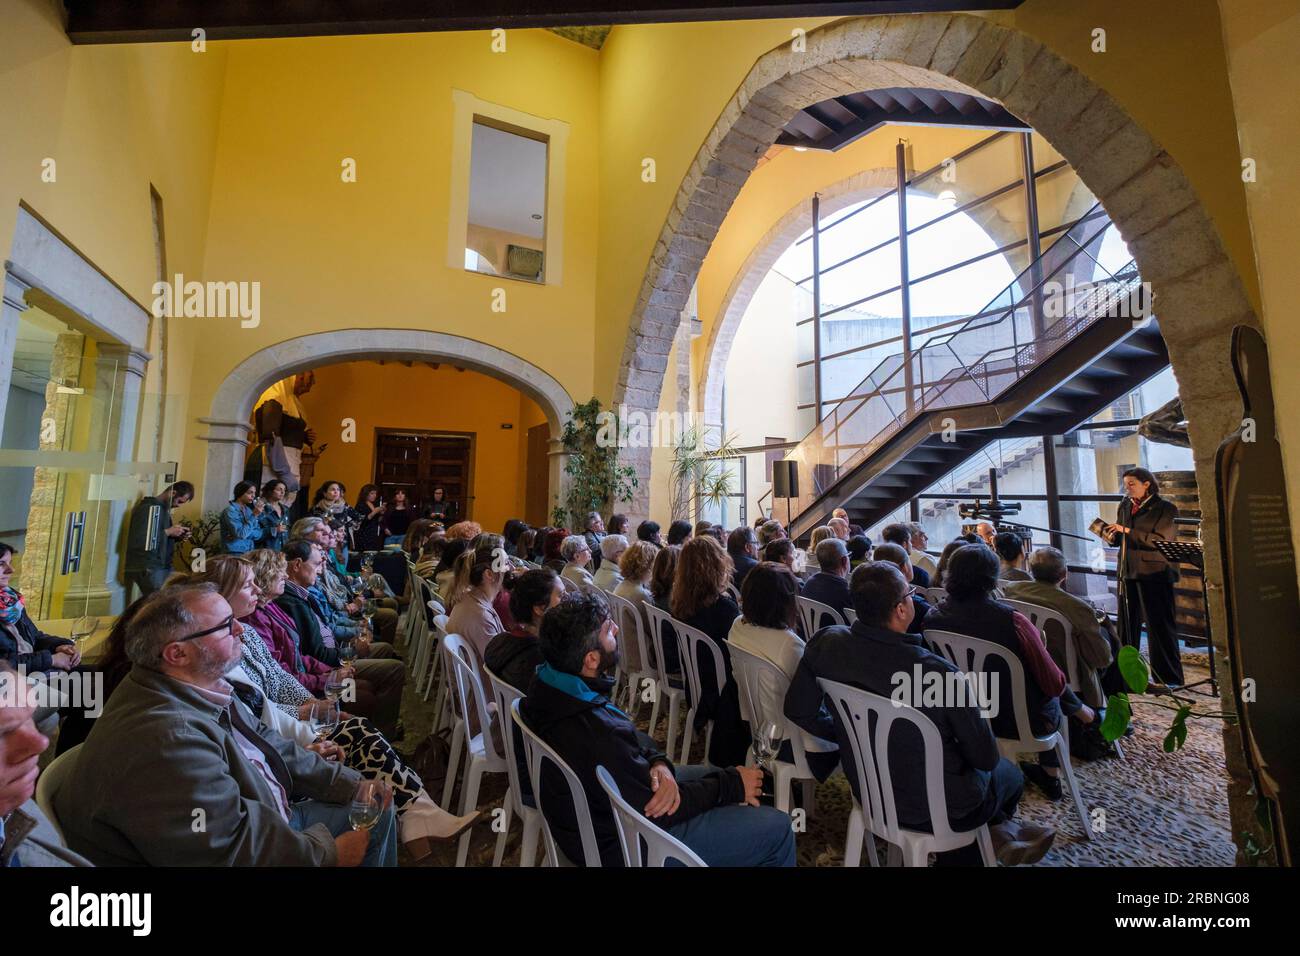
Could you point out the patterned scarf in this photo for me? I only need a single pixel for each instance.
(11, 606)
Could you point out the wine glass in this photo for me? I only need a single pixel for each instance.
(323, 716)
(368, 803)
(767, 737)
(347, 653)
(81, 629)
(334, 684)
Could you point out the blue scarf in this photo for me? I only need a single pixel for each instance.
(574, 686)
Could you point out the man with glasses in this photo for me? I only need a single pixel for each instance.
(742, 545)
(177, 772)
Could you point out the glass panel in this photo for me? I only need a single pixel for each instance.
(507, 203)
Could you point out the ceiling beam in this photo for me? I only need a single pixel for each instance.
(130, 21)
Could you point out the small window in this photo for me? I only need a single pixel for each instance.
(507, 203)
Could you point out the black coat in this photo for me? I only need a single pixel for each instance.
(307, 624)
(512, 658)
(744, 564)
(41, 658)
(1153, 522)
(587, 735)
(731, 735)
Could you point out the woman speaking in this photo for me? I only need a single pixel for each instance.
(1146, 577)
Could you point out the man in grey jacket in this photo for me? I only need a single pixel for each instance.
(177, 772)
(1095, 643)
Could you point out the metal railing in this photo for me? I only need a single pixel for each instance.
(973, 364)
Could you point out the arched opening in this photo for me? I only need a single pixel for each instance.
(1197, 293)
(228, 430)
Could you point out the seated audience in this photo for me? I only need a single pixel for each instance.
(241, 522)
(510, 534)
(855, 530)
(475, 587)
(859, 550)
(830, 585)
(819, 534)
(945, 556)
(970, 609)
(896, 556)
(1096, 644)
(385, 674)
(429, 558)
(594, 532)
(718, 534)
(839, 527)
(635, 567)
(986, 533)
(617, 524)
(266, 801)
(551, 553)
(662, 575)
(276, 628)
(419, 533)
(285, 705)
(334, 592)
(782, 551)
(679, 532)
(979, 785)
(1010, 548)
(607, 576)
(568, 706)
(27, 838)
(649, 531)
(23, 646)
(742, 548)
(576, 557)
(445, 571)
(901, 535)
(768, 628)
(770, 531)
(513, 655)
(527, 544)
(917, 544)
(699, 599)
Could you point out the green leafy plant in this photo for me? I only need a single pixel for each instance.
(596, 479)
(700, 472)
(1119, 707)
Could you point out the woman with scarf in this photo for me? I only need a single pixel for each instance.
(22, 643)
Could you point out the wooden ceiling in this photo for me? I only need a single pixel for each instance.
(834, 123)
(136, 21)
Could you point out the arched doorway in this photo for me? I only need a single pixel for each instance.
(1197, 292)
(227, 421)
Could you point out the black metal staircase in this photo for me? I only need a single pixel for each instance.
(1030, 363)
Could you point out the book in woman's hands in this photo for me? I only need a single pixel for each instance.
(1098, 527)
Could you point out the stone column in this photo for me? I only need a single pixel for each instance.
(228, 443)
(559, 481)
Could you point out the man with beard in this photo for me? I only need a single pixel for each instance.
(177, 772)
(713, 811)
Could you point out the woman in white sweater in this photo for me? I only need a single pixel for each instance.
(634, 565)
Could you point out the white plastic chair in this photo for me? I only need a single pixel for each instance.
(633, 827)
(505, 696)
(54, 776)
(480, 751)
(850, 616)
(436, 674)
(758, 681)
(660, 623)
(1082, 680)
(971, 655)
(632, 630)
(733, 592)
(813, 614)
(537, 753)
(875, 811)
(934, 595)
(689, 642)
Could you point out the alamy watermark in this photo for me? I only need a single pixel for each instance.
(639, 429)
(209, 300)
(921, 688)
(78, 690)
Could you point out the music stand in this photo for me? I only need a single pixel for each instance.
(1192, 552)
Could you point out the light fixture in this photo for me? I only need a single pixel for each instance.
(947, 196)
(801, 149)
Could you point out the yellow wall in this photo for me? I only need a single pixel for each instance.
(115, 119)
(396, 396)
(331, 254)
(1262, 37)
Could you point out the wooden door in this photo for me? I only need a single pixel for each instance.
(420, 461)
(537, 511)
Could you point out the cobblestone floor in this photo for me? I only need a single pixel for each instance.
(1160, 809)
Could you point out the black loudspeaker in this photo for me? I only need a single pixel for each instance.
(785, 479)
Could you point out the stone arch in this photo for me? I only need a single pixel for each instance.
(861, 186)
(1197, 291)
(232, 404)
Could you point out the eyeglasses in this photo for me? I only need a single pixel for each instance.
(228, 625)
